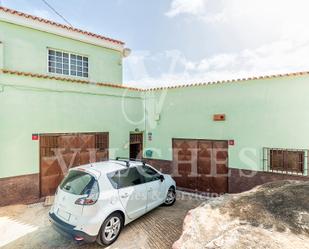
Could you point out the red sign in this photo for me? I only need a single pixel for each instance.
(231, 142)
(35, 136)
(219, 117)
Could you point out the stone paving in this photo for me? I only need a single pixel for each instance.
(28, 227)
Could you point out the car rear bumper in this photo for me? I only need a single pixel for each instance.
(68, 230)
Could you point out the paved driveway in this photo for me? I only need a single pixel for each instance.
(28, 227)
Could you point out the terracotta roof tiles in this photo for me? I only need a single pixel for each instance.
(42, 20)
(70, 79)
(67, 79)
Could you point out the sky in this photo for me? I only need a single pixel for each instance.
(189, 41)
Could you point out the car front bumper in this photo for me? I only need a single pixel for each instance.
(69, 230)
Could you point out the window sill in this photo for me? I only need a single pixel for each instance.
(283, 172)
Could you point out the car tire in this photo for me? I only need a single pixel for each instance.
(170, 197)
(111, 229)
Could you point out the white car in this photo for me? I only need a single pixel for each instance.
(94, 202)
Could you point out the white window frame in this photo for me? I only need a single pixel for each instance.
(70, 53)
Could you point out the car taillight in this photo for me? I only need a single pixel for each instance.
(91, 198)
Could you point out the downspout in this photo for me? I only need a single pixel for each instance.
(1, 56)
(145, 123)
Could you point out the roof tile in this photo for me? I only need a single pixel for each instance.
(42, 20)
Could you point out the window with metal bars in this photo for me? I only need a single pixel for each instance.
(286, 161)
(65, 63)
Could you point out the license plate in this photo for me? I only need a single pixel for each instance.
(63, 214)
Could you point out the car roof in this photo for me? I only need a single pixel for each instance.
(106, 167)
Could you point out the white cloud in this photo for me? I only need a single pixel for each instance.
(192, 7)
(273, 58)
(285, 18)
(274, 36)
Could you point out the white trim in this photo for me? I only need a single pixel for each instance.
(49, 28)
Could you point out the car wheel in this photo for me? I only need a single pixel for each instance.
(171, 197)
(110, 229)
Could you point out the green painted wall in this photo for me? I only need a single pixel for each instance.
(29, 105)
(260, 113)
(25, 50)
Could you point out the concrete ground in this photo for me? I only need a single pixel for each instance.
(28, 227)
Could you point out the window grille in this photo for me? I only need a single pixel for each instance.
(286, 161)
(65, 63)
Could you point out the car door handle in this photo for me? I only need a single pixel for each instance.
(125, 195)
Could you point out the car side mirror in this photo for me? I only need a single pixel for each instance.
(161, 178)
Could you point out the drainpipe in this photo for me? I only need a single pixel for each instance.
(1, 56)
(145, 123)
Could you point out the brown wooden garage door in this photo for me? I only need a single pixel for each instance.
(202, 165)
(59, 152)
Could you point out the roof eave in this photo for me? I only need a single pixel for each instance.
(60, 30)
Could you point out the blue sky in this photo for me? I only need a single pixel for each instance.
(185, 41)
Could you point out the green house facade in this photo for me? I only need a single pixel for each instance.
(61, 88)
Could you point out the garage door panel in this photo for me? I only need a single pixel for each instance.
(204, 183)
(51, 175)
(204, 157)
(50, 184)
(49, 165)
(211, 159)
(180, 181)
(101, 156)
(185, 157)
(184, 169)
(71, 159)
(68, 142)
(86, 142)
(221, 156)
(86, 158)
(73, 150)
(222, 168)
(220, 149)
(205, 148)
(219, 185)
(204, 167)
(192, 183)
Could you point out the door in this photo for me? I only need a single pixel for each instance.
(202, 165)
(155, 187)
(185, 162)
(136, 146)
(59, 152)
(219, 183)
(132, 192)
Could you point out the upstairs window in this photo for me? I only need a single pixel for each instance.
(65, 63)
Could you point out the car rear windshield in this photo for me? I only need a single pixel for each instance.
(77, 183)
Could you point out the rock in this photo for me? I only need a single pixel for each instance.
(273, 215)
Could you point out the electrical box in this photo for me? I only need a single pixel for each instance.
(219, 117)
(157, 117)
